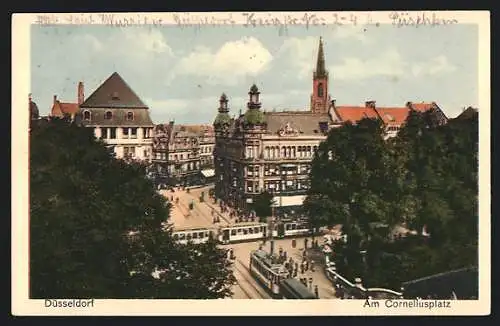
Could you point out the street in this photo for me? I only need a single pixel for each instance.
(247, 287)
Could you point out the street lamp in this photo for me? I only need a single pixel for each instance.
(271, 221)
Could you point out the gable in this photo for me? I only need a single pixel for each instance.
(334, 117)
(114, 93)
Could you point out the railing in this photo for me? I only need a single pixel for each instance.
(356, 290)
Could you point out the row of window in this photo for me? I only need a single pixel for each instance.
(289, 152)
(130, 152)
(191, 235)
(207, 149)
(276, 170)
(288, 185)
(248, 230)
(130, 133)
(108, 115)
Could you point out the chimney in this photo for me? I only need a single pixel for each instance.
(370, 104)
(81, 93)
(55, 99)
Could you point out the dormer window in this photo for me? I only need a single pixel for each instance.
(108, 115)
(86, 115)
(115, 96)
(130, 116)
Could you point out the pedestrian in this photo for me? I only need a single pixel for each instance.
(310, 282)
(284, 255)
(296, 267)
(306, 262)
(305, 243)
(302, 267)
(312, 265)
(304, 253)
(316, 291)
(294, 272)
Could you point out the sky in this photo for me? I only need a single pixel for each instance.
(180, 73)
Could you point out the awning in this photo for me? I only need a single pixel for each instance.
(208, 173)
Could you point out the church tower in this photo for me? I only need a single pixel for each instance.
(320, 100)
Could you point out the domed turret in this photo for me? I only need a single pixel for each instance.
(253, 116)
(223, 115)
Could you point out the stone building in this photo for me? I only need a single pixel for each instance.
(272, 151)
(120, 118)
(183, 154)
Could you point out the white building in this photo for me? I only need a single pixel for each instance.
(120, 118)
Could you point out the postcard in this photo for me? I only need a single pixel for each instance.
(251, 163)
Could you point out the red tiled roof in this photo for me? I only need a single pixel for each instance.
(355, 113)
(69, 108)
(61, 108)
(422, 107)
(393, 116)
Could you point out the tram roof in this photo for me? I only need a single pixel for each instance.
(194, 228)
(266, 259)
(242, 225)
(298, 288)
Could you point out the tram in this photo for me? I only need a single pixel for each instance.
(293, 289)
(242, 232)
(290, 229)
(195, 235)
(269, 274)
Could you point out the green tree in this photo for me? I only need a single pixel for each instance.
(262, 204)
(425, 177)
(98, 228)
(353, 180)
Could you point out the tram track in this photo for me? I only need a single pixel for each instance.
(250, 280)
(212, 208)
(245, 292)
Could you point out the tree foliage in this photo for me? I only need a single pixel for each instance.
(83, 205)
(262, 204)
(426, 176)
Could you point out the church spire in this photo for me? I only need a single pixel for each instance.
(320, 64)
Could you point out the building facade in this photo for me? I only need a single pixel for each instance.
(272, 151)
(120, 118)
(183, 154)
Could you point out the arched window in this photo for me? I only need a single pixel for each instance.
(320, 90)
(130, 116)
(86, 115)
(108, 115)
